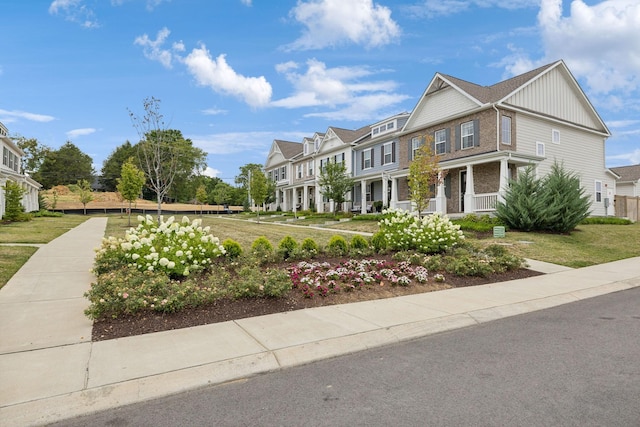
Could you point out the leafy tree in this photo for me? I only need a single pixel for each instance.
(201, 196)
(335, 183)
(112, 166)
(65, 166)
(258, 189)
(523, 206)
(222, 193)
(130, 183)
(242, 180)
(424, 176)
(34, 154)
(165, 156)
(14, 211)
(565, 200)
(85, 193)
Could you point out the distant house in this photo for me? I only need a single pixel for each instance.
(10, 170)
(629, 182)
(483, 134)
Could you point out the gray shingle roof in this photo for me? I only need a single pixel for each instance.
(289, 149)
(628, 173)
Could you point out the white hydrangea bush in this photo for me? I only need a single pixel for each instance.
(433, 233)
(177, 248)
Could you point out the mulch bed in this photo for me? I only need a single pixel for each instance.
(228, 309)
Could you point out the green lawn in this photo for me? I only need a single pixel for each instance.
(587, 245)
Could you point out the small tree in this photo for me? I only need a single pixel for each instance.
(258, 188)
(424, 176)
(14, 211)
(201, 196)
(85, 193)
(130, 183)
(523, 206)
(335, 183)
(565, 201)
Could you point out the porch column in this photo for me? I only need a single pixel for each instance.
(363, 197)
(469, 195)
(284, 200)
(385, 192)
(504, 179)
(441, 198)
(305, 198)
(394, 193)
(318, 200)
(278, 199)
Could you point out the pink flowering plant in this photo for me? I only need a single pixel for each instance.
(323, 278)
(403, 230)
(176, 248)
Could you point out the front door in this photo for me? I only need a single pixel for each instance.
(463, 188)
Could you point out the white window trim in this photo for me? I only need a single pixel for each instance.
(597, 192)
(555, 136)
(506, 133)
(540, 145)
(442, 143)
(390, 153)
(364, 163)
(464, 126)
(416, 143)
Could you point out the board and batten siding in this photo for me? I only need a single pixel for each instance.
(579, 151)
(439, 106)
(552, 95)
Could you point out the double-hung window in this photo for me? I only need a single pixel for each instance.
(310, 168)
(440, 141)
(416, 143)
(299, 170)
(283, 172)
(367, 159)
(466, 133)
(387, 153)
(598, 193)
(506, 130)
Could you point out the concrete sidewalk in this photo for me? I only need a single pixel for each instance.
(50, 370)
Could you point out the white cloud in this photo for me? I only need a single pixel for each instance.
(10, 116)
(631, 158)
(336, 22)
(211, 172)
(213, 112)
(246, 2)
(600, 43)
(340, 88)
(74, 11)
(622, 123)
(153, 50)
(220, 77)
(435, 8)
(80, 132)
(238, 142)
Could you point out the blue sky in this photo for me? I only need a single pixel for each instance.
(233, 75)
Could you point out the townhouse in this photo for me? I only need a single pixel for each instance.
(482, 134)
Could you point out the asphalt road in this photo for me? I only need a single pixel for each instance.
(572, 365)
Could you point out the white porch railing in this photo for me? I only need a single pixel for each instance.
(485, 202)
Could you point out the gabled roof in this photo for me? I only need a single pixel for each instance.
(288, 149)
(628, 173)
(498, 91)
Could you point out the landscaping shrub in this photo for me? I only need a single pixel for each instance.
(337, 246)
(14, 211)
(379, 242)
(612, 220)
(177, 249)
(359, 246)
(431, 234)
(232, 248)
(262, 249)
(482, 224)
(309, 245)
(276, 282)
(554, 203)
(287, 247)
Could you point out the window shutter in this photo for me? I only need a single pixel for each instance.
(458, 131)
(362, 160)
(447, 186)
(447, 142)
(410, 147)
(372, 151)
(382, 155)
(433, 143)
(476, 133)
(393, 152)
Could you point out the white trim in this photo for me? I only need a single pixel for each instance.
(540, 145)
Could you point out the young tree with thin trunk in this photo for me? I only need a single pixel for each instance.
(201, 196)
(335, 183)
(424, 176)
(158, 158)
(130, 183)
(85, 193)
(258, 188)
